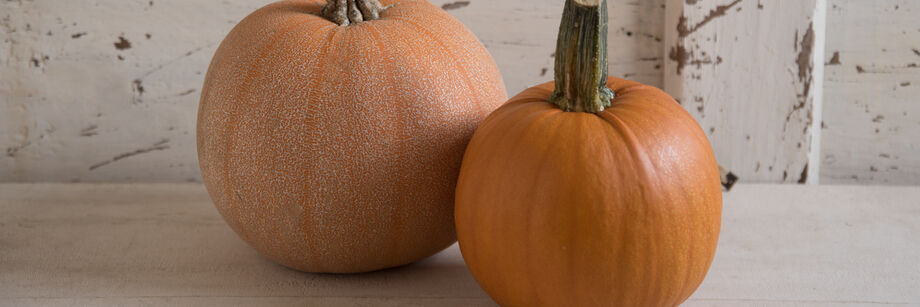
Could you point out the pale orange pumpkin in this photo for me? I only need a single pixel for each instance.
(336, 148)
(571, 197)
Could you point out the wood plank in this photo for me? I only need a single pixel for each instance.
(165, 244)
(746, 71)
(872, 113)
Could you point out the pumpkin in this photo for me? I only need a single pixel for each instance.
(330, 136)
(588, 191)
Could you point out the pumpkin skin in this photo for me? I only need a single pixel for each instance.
(336, 148)
(618, 208)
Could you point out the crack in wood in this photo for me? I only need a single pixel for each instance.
(173, 61)
(89, 131)
(137, 85)
(887, 69)
(160, 145)
(186, 92)
(683, 30)
(455, 5)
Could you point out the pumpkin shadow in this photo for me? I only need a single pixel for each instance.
(441, 276)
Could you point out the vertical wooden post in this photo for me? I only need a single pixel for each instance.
(751, 73)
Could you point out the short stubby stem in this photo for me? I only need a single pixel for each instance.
(581, 58)
(345, 12)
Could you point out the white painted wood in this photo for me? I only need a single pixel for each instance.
(746, 70)
(127, 245)
(521, 35)
(817, 99)
(872, 110)
(70, 100)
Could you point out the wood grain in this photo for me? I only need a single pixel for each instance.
(165, 244)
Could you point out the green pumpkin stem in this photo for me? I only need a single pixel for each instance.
(581, 58)
(345, 12)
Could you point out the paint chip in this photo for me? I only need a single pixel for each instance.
(122, 43)
(835, 59)
(804, 176)
(680, 55)
(138, 86)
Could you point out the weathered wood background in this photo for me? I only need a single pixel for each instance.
(749, 80)
(107, 90)
(871, 129)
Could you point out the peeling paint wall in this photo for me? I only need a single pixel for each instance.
(746, 71)
(108, 90)
(871, 128)
(105, 90)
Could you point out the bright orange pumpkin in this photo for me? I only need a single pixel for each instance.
(567, 197)
(336, 148)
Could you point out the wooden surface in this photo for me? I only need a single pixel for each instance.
(747, 72)
(82, 244)
(872, 110)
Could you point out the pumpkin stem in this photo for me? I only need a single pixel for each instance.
(581, 58)
(345, 12)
